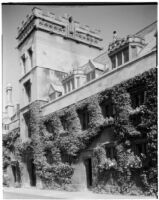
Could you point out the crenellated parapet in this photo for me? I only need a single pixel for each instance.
(63, 26)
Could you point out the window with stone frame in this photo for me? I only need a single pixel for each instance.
(135, 120)
(49, 156)
(30, 52)
(91, 76)
(23, 58)
(119, 58)
(113, 60)
(138, 96)
(126, 54)
(65, 90)
(27, 122)
(65, 158)
(134, 51)
(110, 151)
(73, 84)
(107, 109)
(69, 86)
(84, 118)
(27, 86)
(139, 147)
(64, 123)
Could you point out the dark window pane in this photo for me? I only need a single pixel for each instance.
(107, 110)
(64, 123)
(119, 58)
(84, 118)
(69, 88)
(137, 98)
(113, 60)
(27, 86)
(93, 75)
(110, 152)
(140, 148)
(88, 77)
(134, 51)
(126, 55)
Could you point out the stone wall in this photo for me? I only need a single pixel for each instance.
(123, 73)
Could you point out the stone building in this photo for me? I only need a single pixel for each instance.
(62, 65)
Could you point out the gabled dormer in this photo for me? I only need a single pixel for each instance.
(55, 91)
(93, 70)
(122, 50)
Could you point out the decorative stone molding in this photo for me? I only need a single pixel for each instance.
(63, 26)
(120, 42)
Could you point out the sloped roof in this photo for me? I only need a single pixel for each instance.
(102, 58)
(97, 65)
(146, 30)
(53, 87)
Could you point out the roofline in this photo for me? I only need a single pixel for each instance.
(146, 27)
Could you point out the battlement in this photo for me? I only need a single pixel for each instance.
(64, 26)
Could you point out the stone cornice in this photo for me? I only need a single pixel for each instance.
(63, 26)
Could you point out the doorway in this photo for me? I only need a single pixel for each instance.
(31, 171)
(16, 171)
(88, 165)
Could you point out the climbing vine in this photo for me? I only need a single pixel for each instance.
(64, 143)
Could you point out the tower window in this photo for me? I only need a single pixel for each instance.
(23, 58)
(27, 86)
(30, 52)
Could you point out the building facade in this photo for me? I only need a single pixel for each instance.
(81, 108)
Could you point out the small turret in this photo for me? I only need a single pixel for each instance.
(9, 105)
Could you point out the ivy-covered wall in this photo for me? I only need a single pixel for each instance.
(57, 145)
